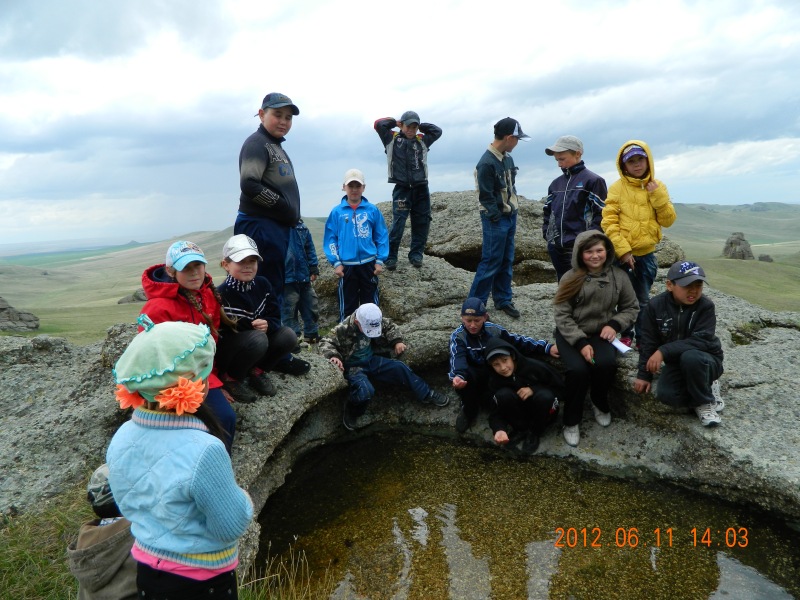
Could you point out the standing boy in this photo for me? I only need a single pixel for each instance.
(469, 371)
(574, 204)
(299, 296)
(407, 157)
(360, 347)
(679, 330)
(269, 204)
(495, 178)
(356, 244)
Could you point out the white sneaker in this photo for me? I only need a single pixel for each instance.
(572, 434)
(603, 418)
(716, 390)
(708, 416)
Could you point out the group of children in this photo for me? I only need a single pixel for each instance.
(169, 465)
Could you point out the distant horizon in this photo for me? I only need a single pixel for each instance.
(30, 248)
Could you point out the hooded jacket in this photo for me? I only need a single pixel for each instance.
(605, 298)
(633, 217)
(166, 303)
(101, 561)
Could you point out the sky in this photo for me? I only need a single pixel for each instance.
(124, 120)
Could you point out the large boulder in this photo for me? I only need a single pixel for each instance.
(737, 247)
(12, 319)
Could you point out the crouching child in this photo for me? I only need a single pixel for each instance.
(524, 395)
(679, 332)
(361, 347)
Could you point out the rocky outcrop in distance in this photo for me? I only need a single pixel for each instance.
(737, 247)
(12, 319)
(59, 412)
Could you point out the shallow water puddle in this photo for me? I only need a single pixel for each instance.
(398, 516)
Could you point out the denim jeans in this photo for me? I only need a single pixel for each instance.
(300, 297)
(415, 201)
(561, 257)
(495, 270)
(272, 239)
(642, 278)
(382, 370)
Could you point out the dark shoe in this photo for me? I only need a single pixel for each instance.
(415, 262)
(297, 349)
(350, 416)
(293, 366)
(239, 391)
(530, 444)
(463, 421)
(436, 399)
(390, 264)
(262, 384)
(511, 311)
(312, 339)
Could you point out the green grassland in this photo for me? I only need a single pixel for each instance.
(75, 293)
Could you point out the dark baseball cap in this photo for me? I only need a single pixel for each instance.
(509, 126)
(278, 100)
(410, 117)
(473, 307)
(685, 272)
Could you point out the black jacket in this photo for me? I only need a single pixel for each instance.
(674, 329)
(407, 158)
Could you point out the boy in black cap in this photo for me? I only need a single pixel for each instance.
(100, 559)
(495, 178)
(469, 371)
(407, 157)
(678, 330)
(269, 205)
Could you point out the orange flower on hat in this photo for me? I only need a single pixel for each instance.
(186, 396)
(128, 399)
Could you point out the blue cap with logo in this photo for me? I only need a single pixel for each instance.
(685, 272)
(182, 253)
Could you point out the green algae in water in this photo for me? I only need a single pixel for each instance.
(402, 516)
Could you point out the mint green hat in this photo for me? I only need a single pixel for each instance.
(162, 353)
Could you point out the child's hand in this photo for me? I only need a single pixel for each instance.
(554, 351)
(459, 383)
(654, 362)
(313, 278)
(641, 386)
(260, 324)
(378, 269)
(337, 363)
(399, 348)
(651, 186)
(524, 393)
(501, 437)
(588, 354)
(627, 259)
(608, 333)
(339, 271)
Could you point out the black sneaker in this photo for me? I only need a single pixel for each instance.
(530, 444)
(463, 421)
(350, 416)
(510, 310)
(262, 384)
(415, 262)
(239, 391)
(312, 339)
(436, 399)
(390, 264)
(293, 366)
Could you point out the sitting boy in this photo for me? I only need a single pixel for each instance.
(469, 371)
(679, 330)
(525, 395)
(360, 346)
(100, 559)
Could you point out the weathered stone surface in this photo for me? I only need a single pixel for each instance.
(58, 411)
(12, 319)
(737, 247)
(137, 296)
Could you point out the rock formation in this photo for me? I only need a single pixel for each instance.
(737, 247)
(12, 319)
(59, 413)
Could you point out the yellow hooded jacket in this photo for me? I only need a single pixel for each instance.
(633, 217)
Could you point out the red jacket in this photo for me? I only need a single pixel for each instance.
(165, 303)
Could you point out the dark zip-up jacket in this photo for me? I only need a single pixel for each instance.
(674, 329)
(495, 179)
(407, 158)
(301, 257)
(266, 178)
(574, 204)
